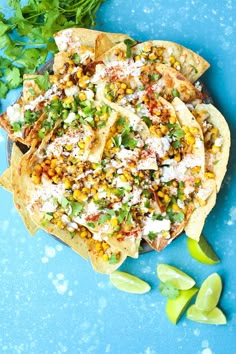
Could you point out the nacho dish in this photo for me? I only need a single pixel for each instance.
(122, 146)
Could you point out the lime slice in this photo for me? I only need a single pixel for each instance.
(209, 293)
(129, 283)
(202, 251)
(177, 278)
(176, 307)
(215, 316)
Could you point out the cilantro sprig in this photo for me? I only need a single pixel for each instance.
(34, 26)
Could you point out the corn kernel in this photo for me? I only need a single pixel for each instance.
(68, 100)
(79, 73)
(129, 91)
(137, 57)
(105, 257)
(209, 175)
(172, 60)
(114, 222)
(164, 129)
(160, 194)
(175, 207)
(36, 179)
(83, 234)
(123, 178)
(69, 147)
(81, 144)
(152, 56)
(166, 198)
(105, 246)
(215, 149)
(69, 83)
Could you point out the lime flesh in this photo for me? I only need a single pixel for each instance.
(215, 316)
(176, 307)
(177, 278)
(209, 293)
(129, 283)
(202, 251)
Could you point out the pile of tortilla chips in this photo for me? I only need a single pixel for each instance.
(122, 146)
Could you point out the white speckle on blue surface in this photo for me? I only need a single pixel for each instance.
(196, 332)
(4, 225)
(207, 351)
(1, 138)
(60, 283)
(50, 251)
(232, 214)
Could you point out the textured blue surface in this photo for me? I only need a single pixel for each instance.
(51, 301)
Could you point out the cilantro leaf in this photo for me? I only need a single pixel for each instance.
(168, 290)
(43, 81)
(13, 77)
(3, 89)
(113, 259)
(129, 44)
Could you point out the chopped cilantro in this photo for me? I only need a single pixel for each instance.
(129, 44)
(147, 121)
(47, 217)
(113, 259)
(103, 218)
(43, 81)
(168, 290)
(175, 93)
(91, 224)
(152, 235)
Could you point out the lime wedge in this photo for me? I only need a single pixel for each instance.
(176, 307)
(129, 283)
(202, 251)
(177, 278)
(215, 316)
(209, 293)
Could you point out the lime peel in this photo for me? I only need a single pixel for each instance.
(209, 293)
(173, 275)
(215, 316)
(202, 251)
(129, 283)
(176, 307)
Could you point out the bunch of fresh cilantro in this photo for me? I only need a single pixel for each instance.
(32, 27)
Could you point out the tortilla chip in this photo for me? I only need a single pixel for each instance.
(186, 118)
(101, 135)
(189, 63)
(70, 39)
(101, 265)
(219, 165)
(5, 180)
(16, 157)
(193, 228)
(102, 45)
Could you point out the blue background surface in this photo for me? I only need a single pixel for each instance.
(51, 301)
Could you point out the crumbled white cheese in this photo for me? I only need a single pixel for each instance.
(159, 145)
(155, 226)
(204, 193)
(219, 142)
(71, 91)
(15, 113)
(177, 170)
(125, 154)
(71, 117)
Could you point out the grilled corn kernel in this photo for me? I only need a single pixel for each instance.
(98, 246)
(160, 194)
(114, 222)
(82, 96)
(194, 130)
(166, 198)
(69, 84)
(81, 144)
(215, 149)
(84, 234)
(177, 65)
(56, 179)
(51, 172)
(105, 257)
(164, 129)
(175, 207)
(172, 120)
(36, 179)
(189, 138)
(129, 91)
(137, 57)
(60, 224)
(67, 183)
(68, 100)
(209, 175)
(105, 246)
(79, 73)
(152, 56)
(177, 157)
(69, 147)
(38, 169)
(172, 60)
